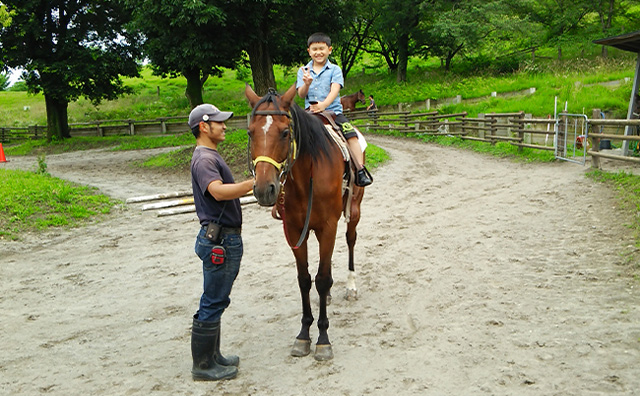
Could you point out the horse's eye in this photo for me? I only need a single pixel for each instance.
(285, 133)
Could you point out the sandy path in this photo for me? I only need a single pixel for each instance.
(476, 276)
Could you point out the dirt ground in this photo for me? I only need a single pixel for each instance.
(476, 276)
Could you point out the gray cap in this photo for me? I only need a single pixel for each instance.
(207, 112)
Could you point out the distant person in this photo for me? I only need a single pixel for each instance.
(372, 104)
(319, 83)
(218, 244)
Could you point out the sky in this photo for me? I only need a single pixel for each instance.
(14, 75)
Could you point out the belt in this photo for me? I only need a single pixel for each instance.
(228, 230)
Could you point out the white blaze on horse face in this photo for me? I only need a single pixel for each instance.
(266, 127)
(267, 124)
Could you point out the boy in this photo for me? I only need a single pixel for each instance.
(319, 83)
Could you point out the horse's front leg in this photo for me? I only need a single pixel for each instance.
(324, 281)
(302, 343)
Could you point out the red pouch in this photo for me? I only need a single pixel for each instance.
(217, 255)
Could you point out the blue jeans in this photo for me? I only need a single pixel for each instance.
(218, 278)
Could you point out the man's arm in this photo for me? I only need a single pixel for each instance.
(225, 192)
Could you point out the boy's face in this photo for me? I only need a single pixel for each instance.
(319, 52)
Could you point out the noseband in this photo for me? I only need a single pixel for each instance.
(285, 166)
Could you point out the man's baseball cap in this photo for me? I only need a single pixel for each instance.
(207, 112)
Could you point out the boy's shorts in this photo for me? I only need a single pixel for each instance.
(347, 129)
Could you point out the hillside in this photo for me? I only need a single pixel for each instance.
(573, 80)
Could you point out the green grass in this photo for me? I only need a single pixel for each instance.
(31, 202)
(627, 186)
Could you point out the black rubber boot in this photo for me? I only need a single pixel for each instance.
(230, 360)
(363, 177)
(204, 344)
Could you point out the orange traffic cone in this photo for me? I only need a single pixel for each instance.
(2, 157)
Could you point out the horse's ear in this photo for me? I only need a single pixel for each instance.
(251, 95)
(288, 96)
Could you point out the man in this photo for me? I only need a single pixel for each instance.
(219, 242)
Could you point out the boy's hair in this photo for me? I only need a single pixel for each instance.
(319, 37)
(196, 131)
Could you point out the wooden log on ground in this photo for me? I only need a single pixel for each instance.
(192, 208)
(613, 157)
(154, 197)
(168, 204)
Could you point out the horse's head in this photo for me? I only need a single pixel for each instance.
(270, 142)
(361, 97)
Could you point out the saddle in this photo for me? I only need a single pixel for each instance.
(348, 176)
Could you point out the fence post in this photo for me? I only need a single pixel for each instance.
(526, 137)
(163, 126)
(520, 131)
(484, 125)
(595, 160)
(132, 128)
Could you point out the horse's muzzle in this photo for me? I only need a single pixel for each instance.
(266, 192)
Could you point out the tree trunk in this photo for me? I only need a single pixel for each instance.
(57, 121)
(193, 92)
(261, 67)
(403, 58)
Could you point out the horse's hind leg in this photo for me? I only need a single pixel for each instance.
(352, 290)
(352, 236)
(302, 343)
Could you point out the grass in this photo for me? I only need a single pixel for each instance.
(627, 186)
(32, 201)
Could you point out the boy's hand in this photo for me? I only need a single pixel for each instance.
(306, 76)
(317, 107)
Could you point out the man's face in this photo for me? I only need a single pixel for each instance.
(319, 52)
(215, 131)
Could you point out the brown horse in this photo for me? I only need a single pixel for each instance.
(298, 166)
(349, 101)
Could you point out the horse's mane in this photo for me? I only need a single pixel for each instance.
(308, 130)
(310, 133)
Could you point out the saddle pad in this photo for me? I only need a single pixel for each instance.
(340, 141)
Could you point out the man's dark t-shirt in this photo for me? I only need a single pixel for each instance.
(206, 166)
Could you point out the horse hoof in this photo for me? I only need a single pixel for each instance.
(352, 295)
(323, 352)
(301, 348)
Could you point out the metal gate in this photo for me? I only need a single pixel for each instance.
(571, 137)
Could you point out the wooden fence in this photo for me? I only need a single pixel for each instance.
(159, 126)
(518, 129)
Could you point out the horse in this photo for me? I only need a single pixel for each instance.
(299, 168)
(349, 101)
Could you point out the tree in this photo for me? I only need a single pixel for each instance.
(356, 34)
(5, 19)
(4, 81)
(69, 49)
(393, 32)
(194, 38)
(276, 31)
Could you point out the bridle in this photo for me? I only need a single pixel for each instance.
(292, 153)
